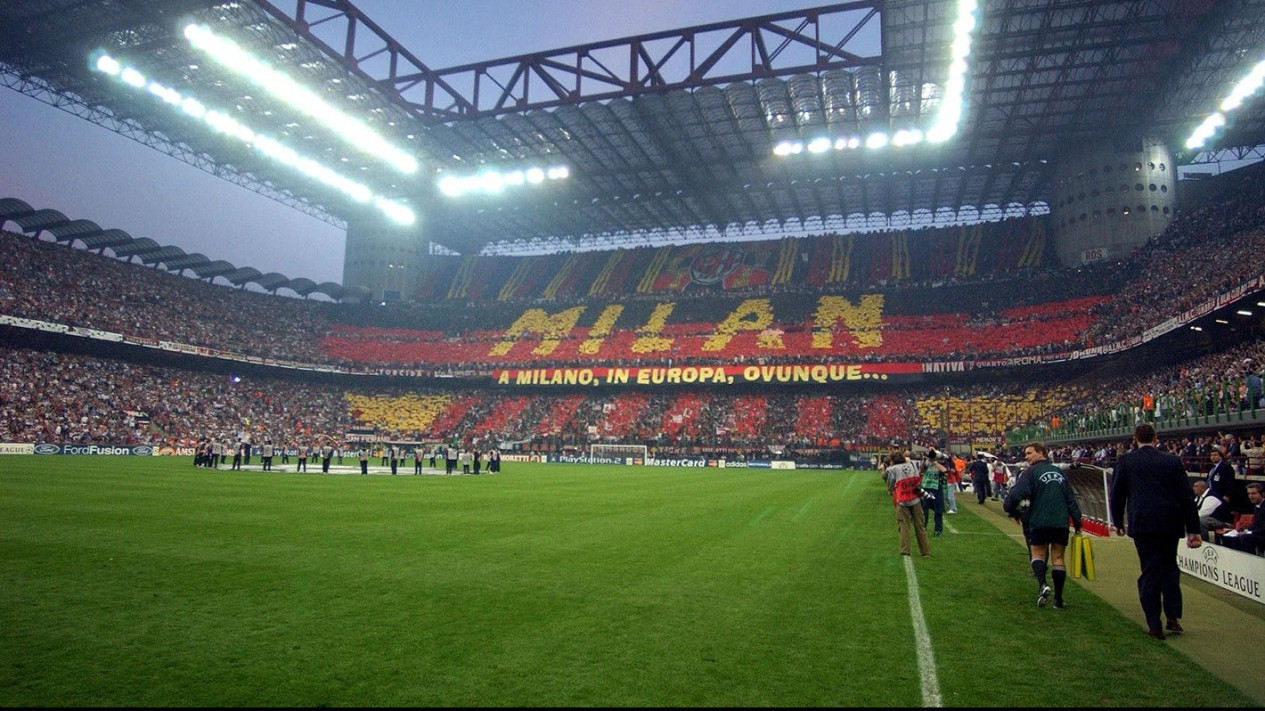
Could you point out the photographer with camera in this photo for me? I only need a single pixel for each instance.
(903, 480)
(935, 471)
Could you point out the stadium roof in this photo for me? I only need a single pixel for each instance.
(671, 135)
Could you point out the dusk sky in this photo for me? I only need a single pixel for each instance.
(51, 159)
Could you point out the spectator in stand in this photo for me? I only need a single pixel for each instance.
(1232, 448)
(1251, 386)
(1253, 450)
(1214, 514)
(1252, 537)
(1221, 477)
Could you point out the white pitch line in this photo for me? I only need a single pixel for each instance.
(926, 658)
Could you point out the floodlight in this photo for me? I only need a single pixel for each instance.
(226, 124)
(229, 54)
(1245, 88)
(820, 144)
(786, 148)
(952, 103)
(493, 181)
(450, 185)
(907, 137)
(193, 107)
(170, 96)
(1242, 90)
(396, 211)
(108, 65)
(132, 77)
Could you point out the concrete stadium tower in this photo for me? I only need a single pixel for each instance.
(1109, 200)
(386, 259)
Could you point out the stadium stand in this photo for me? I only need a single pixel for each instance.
(987, 307)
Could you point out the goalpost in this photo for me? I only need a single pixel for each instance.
(619, 451)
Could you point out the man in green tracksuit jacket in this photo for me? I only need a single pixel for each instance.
(1050, 502)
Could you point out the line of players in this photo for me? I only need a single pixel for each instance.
(211, 453)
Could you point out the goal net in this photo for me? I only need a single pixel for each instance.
(618, 451)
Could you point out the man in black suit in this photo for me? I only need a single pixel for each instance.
(1161, 506)
(1221, 477)
(1252, 537)
(979, 477)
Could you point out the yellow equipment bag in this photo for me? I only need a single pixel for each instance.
(1082, 556)
(1087, 556)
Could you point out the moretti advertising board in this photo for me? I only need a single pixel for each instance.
(720, 375)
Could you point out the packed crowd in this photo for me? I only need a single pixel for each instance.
(47, 281)
(1204, 253)
(959, 316)
(53, 397)
(1228, 381)
(65, 398)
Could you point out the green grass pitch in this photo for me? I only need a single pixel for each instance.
(147, 582)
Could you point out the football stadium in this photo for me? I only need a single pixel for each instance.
(630, 338)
